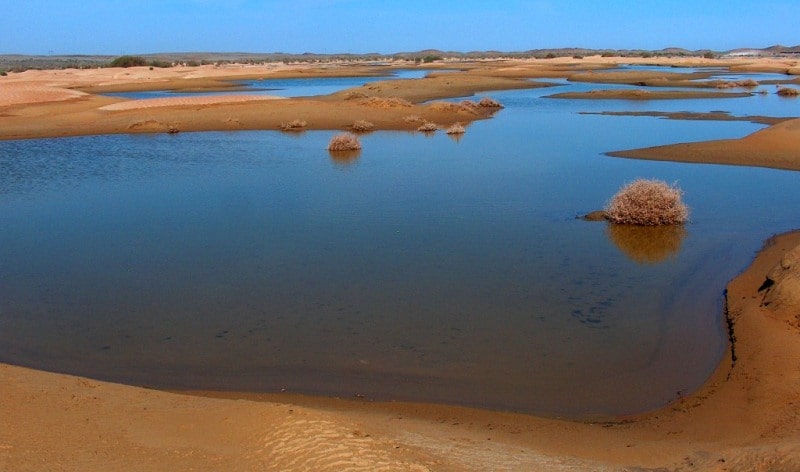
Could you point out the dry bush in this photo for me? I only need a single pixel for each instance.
(788, 92)
(428, 127)
(387, 102)
(352, 95)
(748, 83)
(648, 203)
(450, 107)
(362, 126)
(344, 142)
(487, 102)
(294, 125)
(469, 104)
(456, 128)
(412, 119)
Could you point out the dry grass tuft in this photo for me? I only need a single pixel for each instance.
(362, 126)
(294, 125)
(456, 128)
(648, 203)
(788, 92)
(413, 119)
(386, 102)
(344, 142)
(428, 127)
(487, 102)
(450, 107)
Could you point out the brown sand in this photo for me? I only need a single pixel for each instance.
(777, 146)
(745, 418)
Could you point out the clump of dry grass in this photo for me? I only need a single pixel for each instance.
(456, 128)
(648, 203)
(294, 125)
(428, 127)
(344, 142)
(362, 126)
(487, 102)
(450, 107)
(748, 83)
(788, 92)
(386, 102)
(412, 119)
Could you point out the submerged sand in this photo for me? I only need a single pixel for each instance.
(745, 418)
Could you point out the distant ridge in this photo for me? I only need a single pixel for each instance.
(18, 62)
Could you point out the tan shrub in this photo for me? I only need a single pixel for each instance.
(362, 126)
(412, 119)
(648, 203)
(487, 102)
(344, 142)
(386, 102)
(788, 92)
(456, 128)
(294, 125)
(428, 127)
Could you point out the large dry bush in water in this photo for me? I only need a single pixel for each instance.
(344, 142)
(648, 203)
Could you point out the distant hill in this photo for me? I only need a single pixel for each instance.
(19, 62)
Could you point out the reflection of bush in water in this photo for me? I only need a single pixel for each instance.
(344, 157)
(647, 244)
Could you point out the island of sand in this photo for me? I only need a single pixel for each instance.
(746, 417)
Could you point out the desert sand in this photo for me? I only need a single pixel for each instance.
(746, 417)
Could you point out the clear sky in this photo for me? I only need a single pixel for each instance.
(359, 26)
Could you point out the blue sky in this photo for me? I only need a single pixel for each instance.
(359, 26)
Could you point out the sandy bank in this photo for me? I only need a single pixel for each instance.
(745, 418)
(777, 146)
(184, 101)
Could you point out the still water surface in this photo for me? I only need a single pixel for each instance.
(424, 269)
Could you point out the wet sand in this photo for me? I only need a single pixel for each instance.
(777, 147)
(745, 418)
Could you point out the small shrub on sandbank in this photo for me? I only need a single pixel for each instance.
(456, 128)
(294, 125)
(487, 102)
(362, 126)
(648, 203)
(788, 92)
(428, 127)
(344, 142)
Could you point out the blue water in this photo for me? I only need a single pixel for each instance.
(425, 268)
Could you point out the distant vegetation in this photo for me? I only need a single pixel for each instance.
(137, 61)
(648, 203)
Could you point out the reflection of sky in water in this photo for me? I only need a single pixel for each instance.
(425, 268)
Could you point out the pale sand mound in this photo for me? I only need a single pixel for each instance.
(777, 146)
(185, 101)
(21, 93)
(782, 286)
